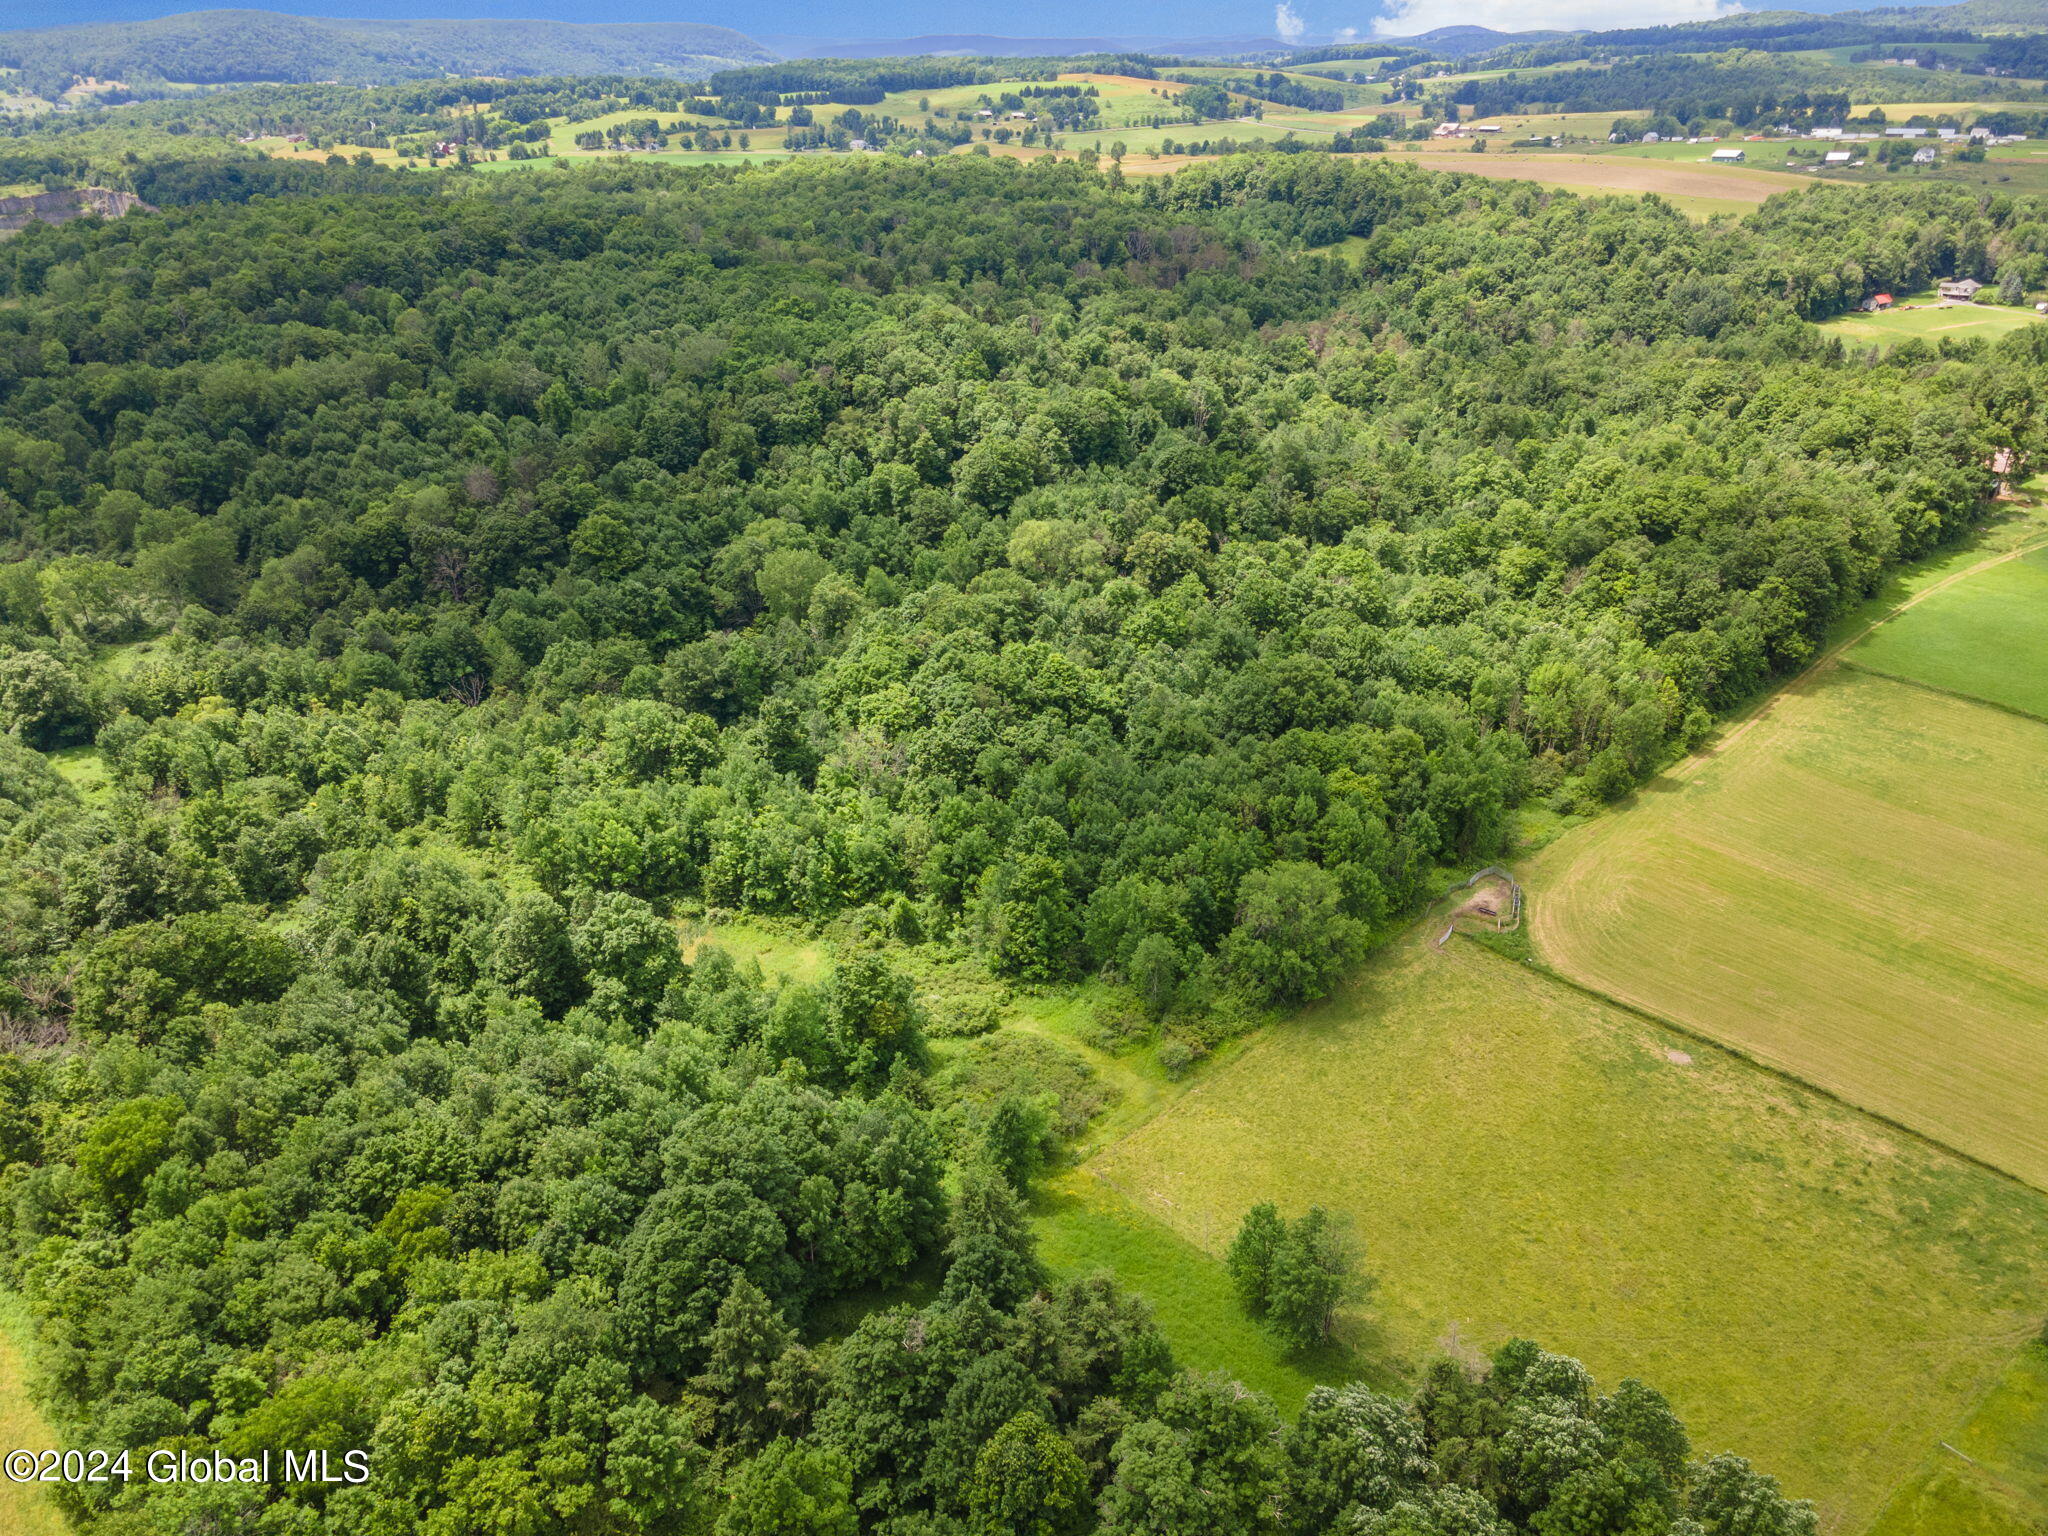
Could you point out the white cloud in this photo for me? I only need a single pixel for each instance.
(1288, 23)
(1406, 18)
(1347, 34)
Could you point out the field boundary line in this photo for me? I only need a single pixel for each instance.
(1866, 670)
(1650, 1016)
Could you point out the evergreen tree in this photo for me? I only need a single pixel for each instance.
(746, 1343)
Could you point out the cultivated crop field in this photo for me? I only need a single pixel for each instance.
(1826, 1293)
(1986, 637)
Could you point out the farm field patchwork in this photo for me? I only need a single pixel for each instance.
(1825, 1293)
(1849, 892)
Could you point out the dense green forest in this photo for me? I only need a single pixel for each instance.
(448, 591)
(214, 46)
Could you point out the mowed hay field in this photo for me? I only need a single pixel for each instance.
(1852, 893)
(1986, 637)
(1825, 1295)
(1612, 173)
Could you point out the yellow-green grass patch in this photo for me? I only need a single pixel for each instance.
(25, 1509)
(1850, 892)
(1888, 328)
(1810, 1288)
(1990, 1476)
(1986, 637)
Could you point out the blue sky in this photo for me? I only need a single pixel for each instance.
(1312, 20)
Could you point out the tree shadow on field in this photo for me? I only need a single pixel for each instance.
(1085, 1226)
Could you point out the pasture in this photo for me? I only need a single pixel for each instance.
(1827, 1295)
(1990, 1476)
(1984, 637)
(1122, 99)
(1849, 892)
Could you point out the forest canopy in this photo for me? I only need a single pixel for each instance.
(453, 591)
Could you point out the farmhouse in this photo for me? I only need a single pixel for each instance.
(1727, 156)
(1959, 288)
(1925, 156)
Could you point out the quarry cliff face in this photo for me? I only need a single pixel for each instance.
(17, 213)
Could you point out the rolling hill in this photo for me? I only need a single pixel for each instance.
(214, 47)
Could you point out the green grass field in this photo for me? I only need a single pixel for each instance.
(1083, 1227)
(25, 1510)
(1850, 891)
(1887, 329)
(1989, 1477)
(1986, 637)
(1827, 1296)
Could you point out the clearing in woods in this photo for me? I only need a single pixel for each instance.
(1887, 328)
(1824, 1294)
(25, 1509)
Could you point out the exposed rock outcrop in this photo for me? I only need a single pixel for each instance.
(17, 213)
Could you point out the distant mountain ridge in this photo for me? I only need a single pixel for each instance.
(218, 47)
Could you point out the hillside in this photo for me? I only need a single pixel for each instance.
(221, 46)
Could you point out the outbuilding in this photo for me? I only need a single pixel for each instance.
(1729, 156)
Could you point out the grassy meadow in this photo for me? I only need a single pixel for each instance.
(1083, 1227)
(1986, 637)
(1990, 1476)
(1826, 1294)
(1888, 328)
